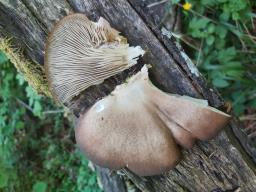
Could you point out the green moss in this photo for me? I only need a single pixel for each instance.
(32, 72)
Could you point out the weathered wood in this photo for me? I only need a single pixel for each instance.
(112, 183)
(247, 142)
(19, 23)
(210, 166)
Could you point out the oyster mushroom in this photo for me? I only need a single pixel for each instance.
(136, 126)
(81, 53)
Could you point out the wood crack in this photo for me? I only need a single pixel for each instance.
(36, 16)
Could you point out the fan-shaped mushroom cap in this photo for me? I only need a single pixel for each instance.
(136, 126)
(81, 53)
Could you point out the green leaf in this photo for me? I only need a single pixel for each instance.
(220, 83)
(224, 16)
(201, 23)
(175, 1)
(92, 181)
(211, 28)
(252, 103)
(20, 125)
(239, 109)
(20, 79)
(235, 16)
(233, 29)
(208, 2)
(226, 55)
(224, 67)
(237, 5)
(3, 58)
(210, 40)
(221, 31)
(220, 43)
(251, 14)
(3, 179)
(37, 109)
(39, 186)
(238, 97)
(235, 73)
(198, 27)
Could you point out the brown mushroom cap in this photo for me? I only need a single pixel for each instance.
(81, 53)
(137, 126)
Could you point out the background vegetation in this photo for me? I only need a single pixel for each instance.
(37, 151)
(220, 36)
(37, 148)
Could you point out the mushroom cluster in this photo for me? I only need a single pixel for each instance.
(137, 126)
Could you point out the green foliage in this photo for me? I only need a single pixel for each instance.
(39, 186)
(37, 149)
(222, 30)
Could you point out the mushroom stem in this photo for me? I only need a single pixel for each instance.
(137, 126)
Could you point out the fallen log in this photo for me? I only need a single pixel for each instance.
(215, 165)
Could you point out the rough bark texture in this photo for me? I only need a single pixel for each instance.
(111, 183)
(216, 165)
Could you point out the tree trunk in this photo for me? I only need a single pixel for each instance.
(215, 165)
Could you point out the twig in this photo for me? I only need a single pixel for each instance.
(247, 117)
(24, 104)
(249, 34)
(199, 54)
(188, 43)
(253, 26)
(156, 3)
(53, 111)
(250, 127)
(169, 34)
(44, 112)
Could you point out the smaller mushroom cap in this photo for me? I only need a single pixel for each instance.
(81, 53)
(137, 126)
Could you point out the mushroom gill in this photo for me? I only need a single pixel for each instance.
(137, 126)
(81, 53)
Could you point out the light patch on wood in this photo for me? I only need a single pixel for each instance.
(193, 69)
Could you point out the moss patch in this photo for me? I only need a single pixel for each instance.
(33, 73)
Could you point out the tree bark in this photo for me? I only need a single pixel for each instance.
(215, 165)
